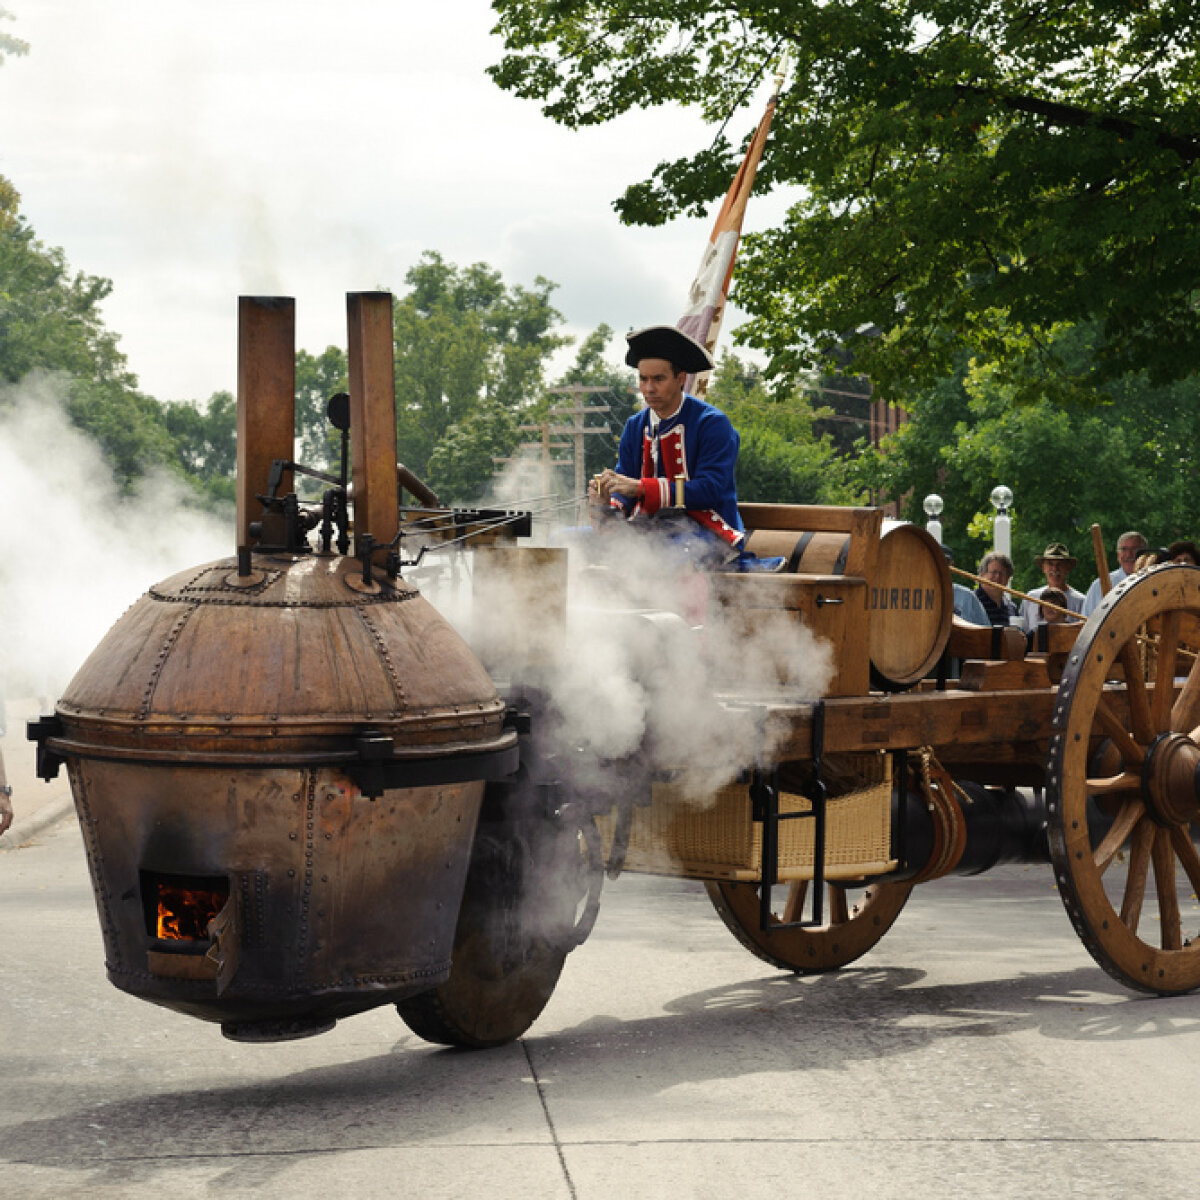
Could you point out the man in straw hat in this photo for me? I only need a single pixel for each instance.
(1056, 564)
(678, 453)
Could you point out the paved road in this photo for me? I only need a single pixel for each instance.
(976, 1052)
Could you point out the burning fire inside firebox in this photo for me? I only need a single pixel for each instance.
(183, 907)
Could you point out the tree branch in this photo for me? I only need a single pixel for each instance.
(1188, 148)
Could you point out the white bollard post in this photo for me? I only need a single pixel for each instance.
(1002, 499)
(933, 509)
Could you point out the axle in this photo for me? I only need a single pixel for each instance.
(966, 832)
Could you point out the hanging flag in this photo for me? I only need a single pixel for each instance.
(706, 299)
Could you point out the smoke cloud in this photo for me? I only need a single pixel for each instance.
(636, 657)
(78, 553)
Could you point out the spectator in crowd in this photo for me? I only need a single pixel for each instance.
(1130, 547)
(966, 603)
(995, 570)
(1053, 604)
(1177, 552)
(1056, 563)
(968, 606)
(1183, 552)
(6, 811)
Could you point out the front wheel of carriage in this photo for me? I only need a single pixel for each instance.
(1123, 782)
(531, 895)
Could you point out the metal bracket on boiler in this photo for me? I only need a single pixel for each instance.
(48, 761)
(764, 802)
(377, 769)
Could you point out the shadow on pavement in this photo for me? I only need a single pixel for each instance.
(417, 1094)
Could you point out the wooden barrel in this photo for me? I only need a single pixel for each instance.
(910, 604)
(910, 601)
(804, 553)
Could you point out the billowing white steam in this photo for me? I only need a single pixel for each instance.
(640, 661)
(77, 553)
(643, 661)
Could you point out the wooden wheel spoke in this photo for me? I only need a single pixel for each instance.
(1168, 901)
(1189, 857)
(1139, 699)
(1164, 672)
(849, 932)
(793, 910)
(1139, 869)
(1131, 813)
(1127, 781)
(1185, 715)
(1133, 754)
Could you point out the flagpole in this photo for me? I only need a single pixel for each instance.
(707, 295)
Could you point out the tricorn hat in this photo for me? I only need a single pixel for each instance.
(1057, 552)
(665, 341)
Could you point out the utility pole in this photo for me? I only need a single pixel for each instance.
(577, 410)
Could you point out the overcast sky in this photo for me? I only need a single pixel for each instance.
(192, 153)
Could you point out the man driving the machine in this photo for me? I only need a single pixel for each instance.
(678, 454)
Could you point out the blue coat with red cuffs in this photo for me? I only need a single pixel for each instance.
(687, 463)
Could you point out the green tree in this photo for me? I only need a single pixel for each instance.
(50, 321)
(205, 437)
(318, 377)
(464, 460)
(10, 198)
(50, 317)
(8, 43)
(1129, 463)
(966, 175)
(781, 460)
(462, 338)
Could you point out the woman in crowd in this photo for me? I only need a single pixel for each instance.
(995, 571)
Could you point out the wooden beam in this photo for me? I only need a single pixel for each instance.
(951, 719)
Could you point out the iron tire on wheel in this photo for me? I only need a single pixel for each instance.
(849, 931)
(1121, 782)
(505, 967)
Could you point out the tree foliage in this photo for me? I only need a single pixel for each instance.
(463, 338)
(781, 460)
(1130, 463)
(968, 174)
(10, 45)
(319, 377)
(205, 439)
(50, 321)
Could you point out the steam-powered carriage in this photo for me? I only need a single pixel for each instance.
(304, 795)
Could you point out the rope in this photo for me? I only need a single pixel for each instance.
(1066, 612)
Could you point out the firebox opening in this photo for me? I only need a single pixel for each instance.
(178, 908)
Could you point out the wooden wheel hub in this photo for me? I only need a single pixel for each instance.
(1170, 780)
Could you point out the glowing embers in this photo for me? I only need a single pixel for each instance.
(180, 907)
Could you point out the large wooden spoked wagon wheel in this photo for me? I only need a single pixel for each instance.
(855, 918)
(1123, 782)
